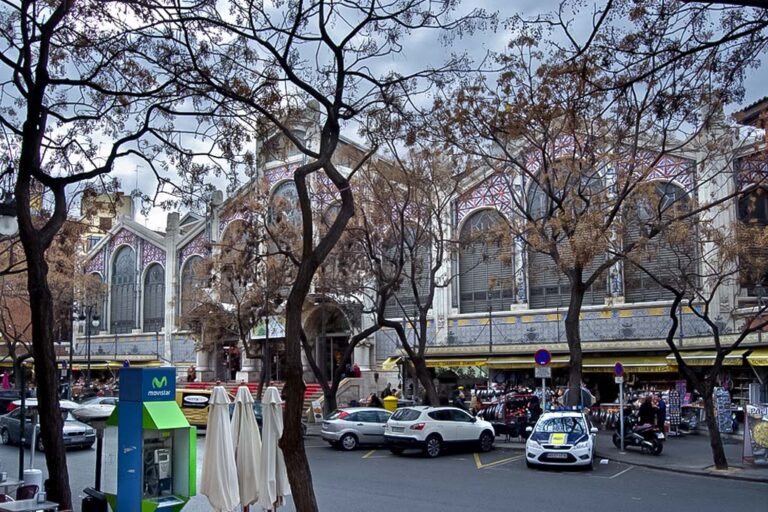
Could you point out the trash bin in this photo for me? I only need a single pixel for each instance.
(94, 501)
(390, 403)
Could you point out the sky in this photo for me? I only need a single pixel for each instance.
(423, 49)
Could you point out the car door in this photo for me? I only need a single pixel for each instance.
(371, 429)
(443, 424)
(464, 426)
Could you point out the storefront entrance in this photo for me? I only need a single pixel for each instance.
(327, 330)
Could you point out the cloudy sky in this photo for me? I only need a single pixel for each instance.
(423, 49)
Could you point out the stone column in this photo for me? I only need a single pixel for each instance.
(171, 284)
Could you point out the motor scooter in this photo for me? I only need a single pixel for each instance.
(646, 437)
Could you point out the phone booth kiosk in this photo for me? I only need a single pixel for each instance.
(156, 446)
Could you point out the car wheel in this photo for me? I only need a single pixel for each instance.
(433, 447)
(349, 442)
(617, 441)
(657, 448)
(39, 445)
(396, 451)
(486, 442)
(530, 465)
(5, 436)
(303, 430)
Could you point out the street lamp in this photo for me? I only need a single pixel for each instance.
(91, 316)
(9, 224)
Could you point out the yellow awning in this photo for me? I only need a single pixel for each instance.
(606, 364)
(525, 362)
(707, 358)
(390, 363)
(758, 357)
(454, 363)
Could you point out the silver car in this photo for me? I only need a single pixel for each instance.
(348, 428)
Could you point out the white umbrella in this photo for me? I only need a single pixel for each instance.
(247, 442)
(218, 480)
(273, 477)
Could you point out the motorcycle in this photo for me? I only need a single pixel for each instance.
(646, 437)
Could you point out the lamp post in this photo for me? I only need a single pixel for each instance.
(760, 291)
(91, 316)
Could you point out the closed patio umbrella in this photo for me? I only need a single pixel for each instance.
(218, 480)
(273, 477)
(247, 444)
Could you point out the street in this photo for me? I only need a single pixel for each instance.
(376, 481)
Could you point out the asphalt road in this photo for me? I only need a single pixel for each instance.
(376, 481)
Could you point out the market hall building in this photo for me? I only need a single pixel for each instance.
(477, 332)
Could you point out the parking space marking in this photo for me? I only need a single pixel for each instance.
(369, 454)
(479, 464)
(621, 473)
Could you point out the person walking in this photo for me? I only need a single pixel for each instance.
(661, 412)
(647, 413)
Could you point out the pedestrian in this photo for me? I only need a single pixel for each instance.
(387, 391)
(375, 401)
(661, 413)
(396, 393)
(647, 413)
(191, 373)
(474, 403)
(534, 409)
(356, 373)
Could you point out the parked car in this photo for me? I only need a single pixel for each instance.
(561, 438)
(108, 402)
(432, 429)
(6, 399)
(76, 434)
(348, 428)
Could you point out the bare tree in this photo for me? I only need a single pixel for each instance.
(319, 57)
(696, 277)
(577, 131)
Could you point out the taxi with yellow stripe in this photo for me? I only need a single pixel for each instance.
(561, 438)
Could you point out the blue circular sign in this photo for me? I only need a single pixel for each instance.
(618, 369)
(542, 357)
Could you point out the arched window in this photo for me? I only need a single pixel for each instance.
(753, 213)
(123, 293)
(664, 259)
(548, 285)
(191, 284)
(284, 204)
(486, 264)
(154, 298)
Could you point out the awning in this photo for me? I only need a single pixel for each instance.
(454, 363)
(525, 362)
(390, 363)
(606, 364)
(707, 358)
(758, 357)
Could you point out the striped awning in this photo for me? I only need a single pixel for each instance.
(707, 358)
(455, 363)
(645, 364)
(758, 357)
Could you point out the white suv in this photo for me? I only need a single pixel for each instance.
(431, 429)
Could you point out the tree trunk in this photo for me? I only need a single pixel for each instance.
(292, 442)
(266, 367)
(51, 422)
(425, 377)
(715, 441)
(573, 335)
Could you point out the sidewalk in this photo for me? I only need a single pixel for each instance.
(686, 454)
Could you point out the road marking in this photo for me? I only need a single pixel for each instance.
(369, 454)
(622, 472)
(479, 464)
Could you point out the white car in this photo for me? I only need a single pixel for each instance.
(561, 438)
(432, 429)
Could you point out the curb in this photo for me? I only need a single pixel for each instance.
(695, 472)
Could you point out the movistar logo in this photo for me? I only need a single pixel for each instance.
(159, 383)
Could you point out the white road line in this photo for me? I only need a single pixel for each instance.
(622, 472)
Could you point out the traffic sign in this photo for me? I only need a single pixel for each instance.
(618, 380)
(618, 369)
(543, 372)
(542, 357)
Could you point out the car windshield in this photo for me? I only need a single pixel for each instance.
(406, 415)
(562, 424)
